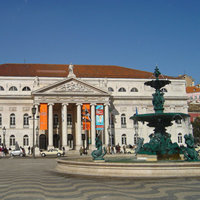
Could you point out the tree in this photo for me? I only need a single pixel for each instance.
(196, 129)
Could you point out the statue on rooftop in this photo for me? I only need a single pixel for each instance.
(71, 67)
(71, 73)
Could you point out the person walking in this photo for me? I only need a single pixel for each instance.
(81, 151)
(29, 149)
(2, 152)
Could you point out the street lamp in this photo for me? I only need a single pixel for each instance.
(4, 134)
(37, 132)
(109, 135)
(33, 113)
(136, 126)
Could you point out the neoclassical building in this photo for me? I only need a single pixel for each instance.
(64, 94)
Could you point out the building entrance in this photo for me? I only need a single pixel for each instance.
(56, 141)
(43, 142)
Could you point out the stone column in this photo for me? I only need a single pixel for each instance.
(93, 128)
(144, 133)
(78, 132)
(106, 124)
(37, 152)
(64, 126)
(36, 121)
(50, 125)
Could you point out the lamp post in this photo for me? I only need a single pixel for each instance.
(4, 134)
(33, 113)
(136, 126)
(37, 132)
(109, 136)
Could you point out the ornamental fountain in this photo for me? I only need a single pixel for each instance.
(160, 143)
(160, 147)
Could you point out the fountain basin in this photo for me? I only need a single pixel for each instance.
(143, 169)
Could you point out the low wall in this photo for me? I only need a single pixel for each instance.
(137, 170)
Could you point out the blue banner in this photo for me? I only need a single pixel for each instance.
(99, 117)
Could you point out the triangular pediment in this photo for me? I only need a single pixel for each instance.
(70, 86)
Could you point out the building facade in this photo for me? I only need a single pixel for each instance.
(64, 89)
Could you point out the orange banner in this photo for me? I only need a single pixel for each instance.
(43, 116)
(86, 117)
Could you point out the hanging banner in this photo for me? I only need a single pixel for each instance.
(43, 116)
(99, 117)
(86, 117)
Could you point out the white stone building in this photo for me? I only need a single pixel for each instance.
(65, 88)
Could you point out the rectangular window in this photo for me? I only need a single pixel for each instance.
(12, 120)
(26, 121)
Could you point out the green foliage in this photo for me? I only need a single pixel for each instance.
(196, 129)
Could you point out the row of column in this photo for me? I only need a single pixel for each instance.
(79, 127)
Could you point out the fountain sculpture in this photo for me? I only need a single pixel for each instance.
(99, 153)
(160, 143)
(160, 146)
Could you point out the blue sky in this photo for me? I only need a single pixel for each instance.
(130, 33)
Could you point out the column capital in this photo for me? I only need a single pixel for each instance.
(36, 104)
(50, 104)
(65, 104)
(93, 104)
(79, 104)
(106, 104)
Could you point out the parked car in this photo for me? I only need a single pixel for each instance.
(51, 152)
(197, 148)
(18, 152)
(130, 150)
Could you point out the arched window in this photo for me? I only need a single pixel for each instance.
(26, 89)
(26, 120)
(55, 120)
(179, 122)
(110, 89)
(180, 138)
(69, 119)
(12, 120)
(1, 88)
(163, 90)
(123, 139)
(26, 140)
(123, 120)
(122, 89)
(134, 90)
(0, 120)
(135, 138)
(12, 140)
(13, 88)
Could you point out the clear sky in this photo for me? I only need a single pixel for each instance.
(130, 33)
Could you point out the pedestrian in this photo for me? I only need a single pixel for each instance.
(86, 151)
(81, 151)
(29, 148)
(63, 149)
(124, 148)
(112, 150)
(2, 152)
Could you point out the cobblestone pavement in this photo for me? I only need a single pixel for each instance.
(34, 179)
